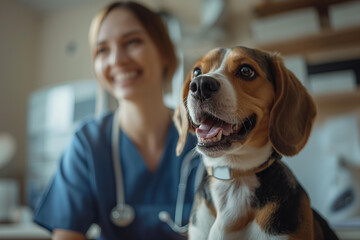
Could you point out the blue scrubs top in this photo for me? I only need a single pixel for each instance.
(83, 192)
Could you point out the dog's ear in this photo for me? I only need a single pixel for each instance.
(181, 118)
(293, 113)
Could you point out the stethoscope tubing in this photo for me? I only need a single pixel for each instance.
(123, 214)
(120, 196)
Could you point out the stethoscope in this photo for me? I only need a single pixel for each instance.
(123, 214)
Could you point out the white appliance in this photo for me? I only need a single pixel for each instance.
(329, 167)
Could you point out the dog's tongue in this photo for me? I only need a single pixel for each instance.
(210, 128)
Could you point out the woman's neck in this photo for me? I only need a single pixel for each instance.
(144, 119)
(146, 125)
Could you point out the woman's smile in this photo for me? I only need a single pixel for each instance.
(125, 79)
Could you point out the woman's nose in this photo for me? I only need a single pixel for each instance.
(118, 57)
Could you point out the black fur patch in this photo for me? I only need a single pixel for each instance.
(328, 233)
(275, 188)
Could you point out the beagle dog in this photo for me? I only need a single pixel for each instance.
(247, 110)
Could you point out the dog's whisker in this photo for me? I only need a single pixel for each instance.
(249, 120)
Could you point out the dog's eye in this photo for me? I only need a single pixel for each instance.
(246, 72)
(196, 72)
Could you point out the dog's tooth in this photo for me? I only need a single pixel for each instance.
(209, 140)
(200, 139)
(219, 135)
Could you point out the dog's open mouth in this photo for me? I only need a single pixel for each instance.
(216, 133)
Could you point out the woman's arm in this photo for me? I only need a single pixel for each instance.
(61, 234)
(68, 202)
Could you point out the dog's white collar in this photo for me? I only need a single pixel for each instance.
(225, 173)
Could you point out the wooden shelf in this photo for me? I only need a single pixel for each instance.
(266, 8)
(323, 41)
(325, 46)
(334, 104)
(328, 44)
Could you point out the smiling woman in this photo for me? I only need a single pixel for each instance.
(121, 171)
(127, 61)
(135, 27)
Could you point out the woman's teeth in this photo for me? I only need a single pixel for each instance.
(124, 76)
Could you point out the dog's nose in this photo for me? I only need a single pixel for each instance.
(203, 87)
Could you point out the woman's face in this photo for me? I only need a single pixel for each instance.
(127, 61)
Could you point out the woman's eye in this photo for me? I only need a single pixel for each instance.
(133, 41)
(196, 72)
(246, 72)
(102, 50)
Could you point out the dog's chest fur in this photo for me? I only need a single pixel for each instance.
(232, 200)
(239, 205)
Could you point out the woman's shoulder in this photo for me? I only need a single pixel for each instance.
(96, 127)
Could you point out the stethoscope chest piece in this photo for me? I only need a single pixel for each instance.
(122, 215)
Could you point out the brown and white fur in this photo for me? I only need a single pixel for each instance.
(248, 110)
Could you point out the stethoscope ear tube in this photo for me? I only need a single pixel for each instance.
(165, 217)
(184, 175)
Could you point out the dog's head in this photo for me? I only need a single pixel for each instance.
(244, 97)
